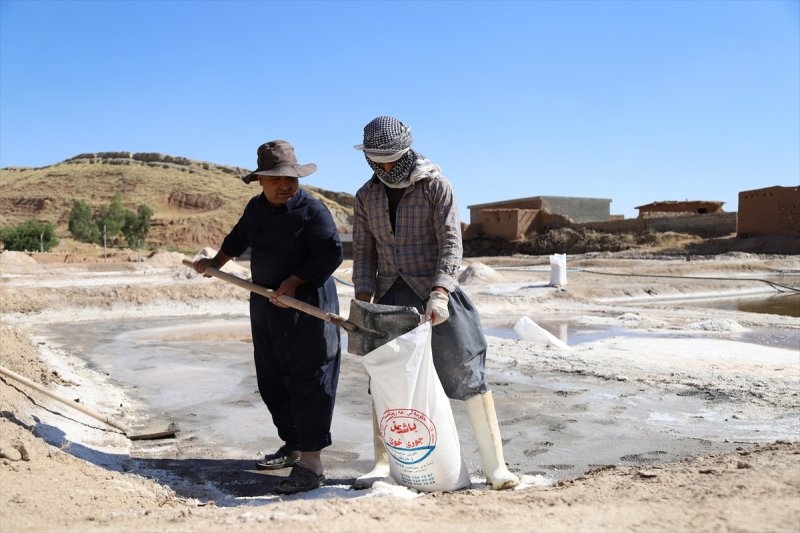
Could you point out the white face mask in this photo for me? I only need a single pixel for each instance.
(386, 158)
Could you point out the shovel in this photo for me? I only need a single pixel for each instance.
(368, 326)
(156, 433)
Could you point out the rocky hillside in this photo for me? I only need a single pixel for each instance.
(194, 203)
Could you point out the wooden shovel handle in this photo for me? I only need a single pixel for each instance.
(63, 399)
(286, 300)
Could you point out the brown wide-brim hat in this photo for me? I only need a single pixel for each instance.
(276, 158)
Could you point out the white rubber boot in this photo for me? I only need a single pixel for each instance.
(483, 417)
(381, 468)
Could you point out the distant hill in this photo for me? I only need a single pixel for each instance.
(194, 203)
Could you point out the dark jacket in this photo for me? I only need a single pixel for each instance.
(299, 238)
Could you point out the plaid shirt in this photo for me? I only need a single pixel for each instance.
(425, 249)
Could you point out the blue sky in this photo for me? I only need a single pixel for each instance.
(635, 101)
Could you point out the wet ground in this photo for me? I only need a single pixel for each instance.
(198, 374)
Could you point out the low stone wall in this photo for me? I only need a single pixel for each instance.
(710, 225)
(707, 226)
(626, 225)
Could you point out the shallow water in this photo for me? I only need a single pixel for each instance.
(779, 304)
(199, 374)
(573, 333)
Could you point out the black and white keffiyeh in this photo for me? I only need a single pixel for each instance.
(398, 176)
(387, 140)
(386, 137)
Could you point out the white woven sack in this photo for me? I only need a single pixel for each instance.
(558, 270)
(415, 419)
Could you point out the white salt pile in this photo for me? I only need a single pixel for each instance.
(479, 273)
(717, 325)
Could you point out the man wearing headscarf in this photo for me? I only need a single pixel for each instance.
(407, 252)
(295, 248)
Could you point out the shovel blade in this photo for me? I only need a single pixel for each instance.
(154, 432)
(392, 320)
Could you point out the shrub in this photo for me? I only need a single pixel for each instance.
(111, 222)
(30, 236)
(112, 217)
(137, 225)
(81, 226)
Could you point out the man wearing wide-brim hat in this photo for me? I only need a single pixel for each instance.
(276, 158)
(295, 249)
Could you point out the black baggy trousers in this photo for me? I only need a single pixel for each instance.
(297, 359)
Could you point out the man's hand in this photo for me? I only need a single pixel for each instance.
(364, 297)
(287, 288)
(218, 261)
(437, 307)
(201, 264)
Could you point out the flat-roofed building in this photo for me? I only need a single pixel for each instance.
(512, 219)
(772, 211)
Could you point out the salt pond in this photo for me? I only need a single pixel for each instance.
(556, 425)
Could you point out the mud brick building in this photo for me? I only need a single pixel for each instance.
(677, 208)
(772, 211)
(512, 219)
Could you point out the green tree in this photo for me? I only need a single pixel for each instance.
(30, 235)
(81, 225)
(137, 225)
(112, 217)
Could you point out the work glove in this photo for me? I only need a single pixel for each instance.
(437, 307)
